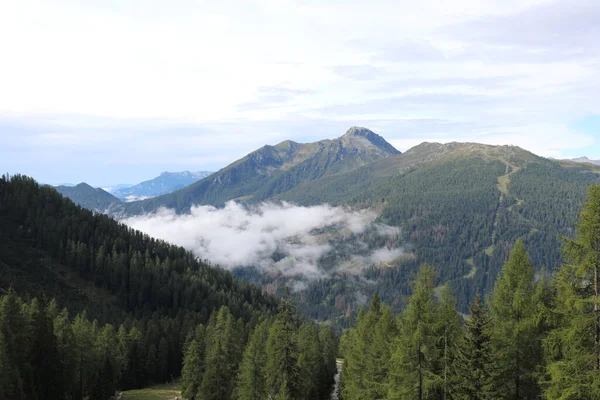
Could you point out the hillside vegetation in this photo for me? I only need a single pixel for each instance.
(91, 306)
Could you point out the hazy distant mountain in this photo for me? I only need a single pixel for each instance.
(584, 160)
(167, 182)
(113, 188)
(86, 196)
(272, 170)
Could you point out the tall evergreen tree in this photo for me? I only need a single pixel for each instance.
(414, 372)
(473, 377)
(251, 378)
(309, 361)
(44, 367)
(573, 347)
(217, 382)
(449, 331)
(516, 335)
(13, 326)
(283, 380)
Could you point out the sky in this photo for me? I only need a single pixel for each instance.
(111, 92)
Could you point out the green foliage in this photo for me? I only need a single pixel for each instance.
(415, 371)
(573, 347)
(283, 375)
(88, 197)
(251, 378)
(144, 298)
(516, 337)
(475, 366)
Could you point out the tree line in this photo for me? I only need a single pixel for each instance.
(283, 359)
(534, 337)
(46, 354)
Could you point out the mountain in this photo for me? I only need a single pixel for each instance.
(458, 206)
(94, 199)
(167, 182)
(584, 160)
(272, 170)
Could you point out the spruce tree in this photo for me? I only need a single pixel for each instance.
(13, 326)
(516, 337)
(283, 380)
(473, 377)
(251, 379)
(193, 369)
(414, 371)
(217, 380)
(448, 332)
(309, 361)
(377, 363)
(573, 348)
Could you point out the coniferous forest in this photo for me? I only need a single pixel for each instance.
(91, 307)
(533, 337)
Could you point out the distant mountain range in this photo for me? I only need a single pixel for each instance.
(100, 199)
(584, 160)
(166, 182)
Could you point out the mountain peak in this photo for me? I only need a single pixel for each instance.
(83, 185)
(358, 132)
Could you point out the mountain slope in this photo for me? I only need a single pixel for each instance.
(166, 182)
(460, 207)
(49, 245)
(94, 199)
(272, 170)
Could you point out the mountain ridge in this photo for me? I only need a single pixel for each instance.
(273, 169)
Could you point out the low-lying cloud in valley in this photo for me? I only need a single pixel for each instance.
(276, 237)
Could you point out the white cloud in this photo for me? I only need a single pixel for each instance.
(280, 238)
(92, 74)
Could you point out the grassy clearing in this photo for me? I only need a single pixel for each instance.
(473, 270)
(168, 391)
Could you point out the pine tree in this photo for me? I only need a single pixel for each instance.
(448, 332)
(217, 382)
(329, 352)
(44, 377)
(309, 361)
(415, 359)
(193, 369)
(473, 378)
(516, 335)
(377, 363)
(251, 378)
(65, 341)
(367, 353)
(13, 326)
(354, 347)
(283, 378)
(573, 347)
(4, 368)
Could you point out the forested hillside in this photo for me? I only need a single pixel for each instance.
(94, 199)
(91, 305)
(460, 207)
(533, 338)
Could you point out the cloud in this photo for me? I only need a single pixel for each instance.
(275, 238)
(199, 85)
